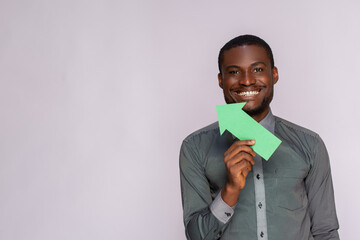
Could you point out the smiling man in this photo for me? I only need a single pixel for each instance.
(230, 192)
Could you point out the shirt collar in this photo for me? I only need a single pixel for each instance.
(269, 122)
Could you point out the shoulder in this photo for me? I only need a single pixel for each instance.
(203, 134)
(195, 146)
(286, 125)
(298, 136)
(202, 140)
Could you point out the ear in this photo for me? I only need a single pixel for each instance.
(275, 74)
(220, 80)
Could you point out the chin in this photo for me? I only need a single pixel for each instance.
(255, 111)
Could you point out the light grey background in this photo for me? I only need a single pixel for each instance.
(96, 97)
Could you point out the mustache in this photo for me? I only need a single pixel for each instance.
(247, 89)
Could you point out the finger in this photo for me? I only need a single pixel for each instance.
(240, 146)
(245, 156)
(242, 142)
(246, 171)
(241, 168)
(238, 158)
(237, 143)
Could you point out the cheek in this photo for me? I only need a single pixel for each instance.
(229, 82)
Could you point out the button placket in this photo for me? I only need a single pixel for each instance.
(260, 202)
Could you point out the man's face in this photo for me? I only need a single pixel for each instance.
(247, 76)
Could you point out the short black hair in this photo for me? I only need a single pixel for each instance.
(244, 40)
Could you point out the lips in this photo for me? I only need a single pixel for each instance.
(246, 92)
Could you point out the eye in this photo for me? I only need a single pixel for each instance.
(234, 72)
(258, 69)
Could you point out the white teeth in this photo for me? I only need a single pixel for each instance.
(249, 93)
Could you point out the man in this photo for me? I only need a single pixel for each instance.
(230, 192)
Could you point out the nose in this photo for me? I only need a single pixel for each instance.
(247, 79)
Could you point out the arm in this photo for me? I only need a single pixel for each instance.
(200, 210)
(319, 187)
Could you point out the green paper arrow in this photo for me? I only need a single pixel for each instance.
(241, 125)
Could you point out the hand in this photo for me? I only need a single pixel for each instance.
(238, 160)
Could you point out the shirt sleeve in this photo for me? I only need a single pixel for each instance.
(319, 187)
(198, 206)
(221, 210)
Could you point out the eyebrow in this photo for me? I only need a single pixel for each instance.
(252, 65)
(257, 63)
(232, 66)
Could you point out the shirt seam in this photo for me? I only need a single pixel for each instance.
(201, 131)
(298, 128)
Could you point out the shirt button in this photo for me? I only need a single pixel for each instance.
(258, 176)
(261, 234)
(260, 205)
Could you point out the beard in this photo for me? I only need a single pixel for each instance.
(263, 106)
(257, 110)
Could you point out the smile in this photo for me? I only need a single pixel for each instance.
(248, 93)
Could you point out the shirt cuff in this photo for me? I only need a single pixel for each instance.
(221, 210)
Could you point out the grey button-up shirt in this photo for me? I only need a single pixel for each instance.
(294, 188)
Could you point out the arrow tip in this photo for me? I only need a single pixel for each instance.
(222, 128)
(226, 114)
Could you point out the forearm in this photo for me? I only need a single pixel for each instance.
(204, 225)
(321, 197)
(210, 222)
(333, 235)
(205, 217)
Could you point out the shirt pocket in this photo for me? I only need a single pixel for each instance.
(290, 188)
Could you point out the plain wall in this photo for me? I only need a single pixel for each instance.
(97, 96)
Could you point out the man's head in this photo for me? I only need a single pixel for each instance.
(245, 40)
(247, 74)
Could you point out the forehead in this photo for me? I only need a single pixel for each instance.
(245, 55)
